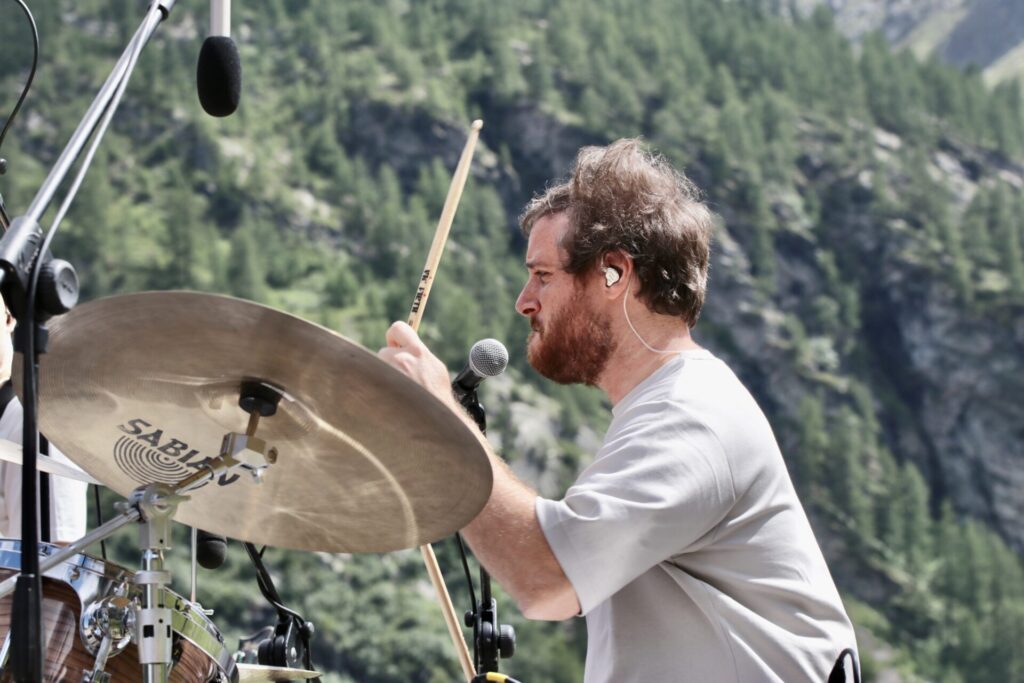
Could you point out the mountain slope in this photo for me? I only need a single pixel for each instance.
(867, 281)
(987, 34)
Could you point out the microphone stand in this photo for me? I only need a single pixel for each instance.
(491, 640)
(27, 268)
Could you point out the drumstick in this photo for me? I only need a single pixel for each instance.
(444, 225)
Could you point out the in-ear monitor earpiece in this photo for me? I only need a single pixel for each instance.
(611, 276)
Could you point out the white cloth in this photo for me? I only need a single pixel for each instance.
(67, 497)
(686, 544)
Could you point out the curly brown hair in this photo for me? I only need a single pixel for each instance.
(621, 197)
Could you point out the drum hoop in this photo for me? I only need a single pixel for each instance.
(92, 578)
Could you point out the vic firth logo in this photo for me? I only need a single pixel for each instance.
(421, 291)
(148, 457)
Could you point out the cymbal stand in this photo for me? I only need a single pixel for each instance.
(238, 451)
(153, 618)
(154, 506)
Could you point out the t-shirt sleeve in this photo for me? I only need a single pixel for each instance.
(660, 483)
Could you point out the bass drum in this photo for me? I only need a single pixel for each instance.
(71, 588)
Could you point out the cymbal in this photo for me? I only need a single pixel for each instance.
(140, 388)
(253, 673)
(11, 452)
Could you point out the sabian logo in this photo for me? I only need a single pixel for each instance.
(148, 456)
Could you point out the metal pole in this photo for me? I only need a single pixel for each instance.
(95, 536)
(155, 14)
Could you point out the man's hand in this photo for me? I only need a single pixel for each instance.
(409, 354)
(505, 536)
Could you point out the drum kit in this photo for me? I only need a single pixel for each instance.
(216, 412)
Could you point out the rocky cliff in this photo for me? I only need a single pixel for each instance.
(987, 34)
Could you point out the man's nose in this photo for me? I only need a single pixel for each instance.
(527, 303)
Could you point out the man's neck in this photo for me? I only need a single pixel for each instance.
(632, 362)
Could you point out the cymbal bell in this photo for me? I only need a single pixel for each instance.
(141, 388)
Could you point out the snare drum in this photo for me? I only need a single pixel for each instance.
(70, 589)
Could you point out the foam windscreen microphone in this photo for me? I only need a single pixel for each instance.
(211, 549)
(219, 71)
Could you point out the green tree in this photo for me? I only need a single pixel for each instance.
(813, 444)
(246, 272)
(846, 472)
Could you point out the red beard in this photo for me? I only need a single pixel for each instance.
(573, 346)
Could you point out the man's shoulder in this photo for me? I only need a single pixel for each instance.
(698, 384)
(701, 403)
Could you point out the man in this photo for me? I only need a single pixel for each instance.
(67, 509)
(683, 543)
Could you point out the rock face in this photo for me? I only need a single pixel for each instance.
(960, 32)
(955, 373)
(966, 375)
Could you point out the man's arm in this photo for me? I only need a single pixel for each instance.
(506, 536)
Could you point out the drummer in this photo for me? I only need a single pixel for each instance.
(683, 543)
(67, 509)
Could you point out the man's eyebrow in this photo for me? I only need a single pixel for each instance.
(531, 265)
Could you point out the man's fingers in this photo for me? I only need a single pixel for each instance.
(400, 335)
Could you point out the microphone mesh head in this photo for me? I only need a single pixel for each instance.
(488, 358)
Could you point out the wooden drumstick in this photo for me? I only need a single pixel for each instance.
(444, 225)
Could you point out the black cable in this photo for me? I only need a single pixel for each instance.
(31, 73)
(465, 566)
(21, 99)
(99, 517)
(266, 585)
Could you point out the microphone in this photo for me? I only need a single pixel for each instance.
(487, 358)
(219, 72)
(211, 549)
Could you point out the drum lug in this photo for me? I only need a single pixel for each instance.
(111, 618)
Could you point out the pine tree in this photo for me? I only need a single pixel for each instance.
(917, 525)
(1005, 228)
(846, 472)
(245, 269)
(813, 444)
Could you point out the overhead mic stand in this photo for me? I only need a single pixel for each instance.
(492, 640)
(36, 286)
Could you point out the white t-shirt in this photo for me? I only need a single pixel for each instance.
(67, 496)
(686, 544)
